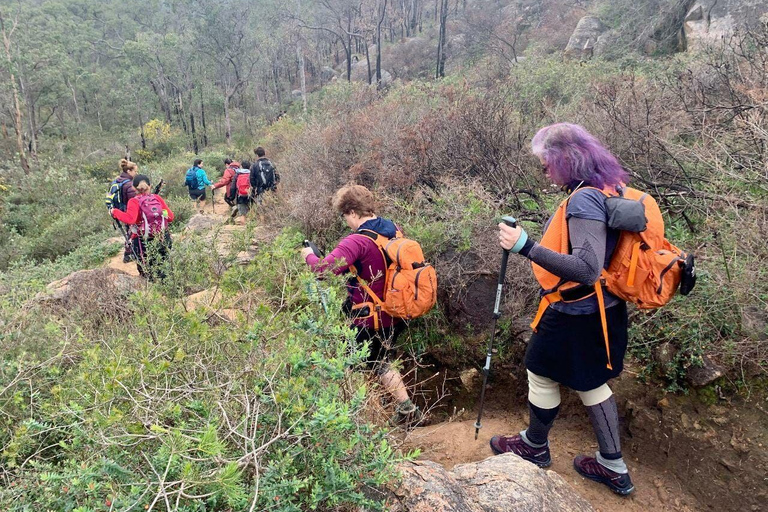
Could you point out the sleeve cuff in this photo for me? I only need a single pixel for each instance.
(529, 244)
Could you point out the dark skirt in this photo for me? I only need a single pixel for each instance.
(197, 195)
(570, 349)
(381, 345)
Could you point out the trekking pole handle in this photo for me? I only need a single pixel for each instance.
(314, 248)
(511, 222)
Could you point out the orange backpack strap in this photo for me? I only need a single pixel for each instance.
(544, 303)
(603, 320)
(378, 304)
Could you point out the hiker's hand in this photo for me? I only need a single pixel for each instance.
(306, 252)
(512, 239)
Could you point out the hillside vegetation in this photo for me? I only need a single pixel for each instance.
(134, 399)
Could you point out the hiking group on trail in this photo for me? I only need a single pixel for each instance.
(246, 183)
(604, 246)
(148, 217)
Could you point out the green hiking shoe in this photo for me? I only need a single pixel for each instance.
(407, 414)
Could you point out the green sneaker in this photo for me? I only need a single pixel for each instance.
(407, 414)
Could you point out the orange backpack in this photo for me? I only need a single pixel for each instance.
(410, 288)
(645, 269)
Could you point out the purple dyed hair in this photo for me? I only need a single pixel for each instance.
(573, 155)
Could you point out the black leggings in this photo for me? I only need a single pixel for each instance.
(151, 255)
(381, 343)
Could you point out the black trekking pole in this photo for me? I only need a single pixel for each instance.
(511, 222)
(320, 293)
(119, 225)
(213, 200)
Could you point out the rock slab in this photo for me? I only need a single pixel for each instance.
(585, 37)
(503, 483)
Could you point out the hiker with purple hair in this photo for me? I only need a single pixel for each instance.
(568, 346)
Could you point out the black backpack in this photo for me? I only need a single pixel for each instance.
(115, 197)
(264, 176)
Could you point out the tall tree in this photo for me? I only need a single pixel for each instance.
(8, 29)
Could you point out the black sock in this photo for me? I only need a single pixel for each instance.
(540, 422)
(605, 422)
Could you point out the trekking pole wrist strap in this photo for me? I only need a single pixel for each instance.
(520, 242)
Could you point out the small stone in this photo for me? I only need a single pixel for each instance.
(469, 378)
(685, 420)
(663, 403)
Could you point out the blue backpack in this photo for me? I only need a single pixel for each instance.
(191, 179)
(115, 197)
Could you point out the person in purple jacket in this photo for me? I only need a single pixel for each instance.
(356, 205)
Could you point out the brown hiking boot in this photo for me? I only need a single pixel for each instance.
(589, 467)
(516, 445)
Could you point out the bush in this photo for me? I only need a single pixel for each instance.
(170, 406)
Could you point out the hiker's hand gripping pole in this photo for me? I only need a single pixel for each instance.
(320, 293)
(511, 222)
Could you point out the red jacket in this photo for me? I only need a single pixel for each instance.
(132, 213)
(229, 173)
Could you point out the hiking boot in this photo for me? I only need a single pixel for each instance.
(588, 467)
(516, 445)
(127, 258)
(407, 414)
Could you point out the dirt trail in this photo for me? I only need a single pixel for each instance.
(454, 443)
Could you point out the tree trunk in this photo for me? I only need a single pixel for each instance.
(31, 114)
(182, 113)
(17, 123)
(368, 62)
(194, 135)
(378, 43)
(74, 101)
(277, 83)
(228, 125)
(202, 118)
(302, 75)
(440, 68)
(141, 131)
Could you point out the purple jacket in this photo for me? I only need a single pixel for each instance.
(361, 251)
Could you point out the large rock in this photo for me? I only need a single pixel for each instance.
(360, 72)
(203, 222)
(90, 288)
(504, 483)
(327, 74)
(585, 37)
(710, 21)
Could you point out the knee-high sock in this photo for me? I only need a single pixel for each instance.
(541, 421)
(605, 422)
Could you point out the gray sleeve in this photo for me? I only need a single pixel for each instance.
(584, 264)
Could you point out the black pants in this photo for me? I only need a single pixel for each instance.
(151, 255)
(381, 343)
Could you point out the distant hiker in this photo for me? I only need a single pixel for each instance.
(568, 346)
(230, 192)
(241, 186)
(264, 175)
(148, 216)
(196, 180)
(120, 192)
(356, 205)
